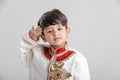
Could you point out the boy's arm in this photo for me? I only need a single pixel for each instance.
(26, 46)
(81, 70)
(27, 42)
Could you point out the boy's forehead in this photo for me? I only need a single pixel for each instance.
(54, 26)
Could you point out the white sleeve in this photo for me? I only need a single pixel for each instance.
(26, 46)
(81, 70)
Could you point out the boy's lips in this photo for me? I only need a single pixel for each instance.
(56, 38)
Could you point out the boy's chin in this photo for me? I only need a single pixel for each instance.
(57, 45)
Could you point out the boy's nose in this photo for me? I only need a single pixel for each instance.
(55, 32)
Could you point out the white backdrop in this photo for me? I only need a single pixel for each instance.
(95, 31)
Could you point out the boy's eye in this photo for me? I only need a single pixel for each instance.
(59, 29)
(49, 31)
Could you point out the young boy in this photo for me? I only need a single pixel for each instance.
(56, 61)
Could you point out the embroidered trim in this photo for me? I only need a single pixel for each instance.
(42, 52)
(65, 56)
(60, 57)
(46, 53)
(57, 72)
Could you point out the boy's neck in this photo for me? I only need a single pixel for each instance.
(59, 46)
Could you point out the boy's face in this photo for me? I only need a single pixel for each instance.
(56, 35)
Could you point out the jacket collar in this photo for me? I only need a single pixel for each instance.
(58, 50)
(63, 53)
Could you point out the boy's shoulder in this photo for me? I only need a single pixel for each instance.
(78, 54)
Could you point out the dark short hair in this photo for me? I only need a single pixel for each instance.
(52, 17)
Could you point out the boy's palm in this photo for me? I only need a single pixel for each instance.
(35, 33)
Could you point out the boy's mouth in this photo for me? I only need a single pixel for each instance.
(56, 39)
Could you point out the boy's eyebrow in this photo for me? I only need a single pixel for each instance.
(51, 28)
(47, 28)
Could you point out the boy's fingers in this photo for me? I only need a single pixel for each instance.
(38, 30)
(32, 27)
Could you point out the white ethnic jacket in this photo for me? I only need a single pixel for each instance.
(45, 63)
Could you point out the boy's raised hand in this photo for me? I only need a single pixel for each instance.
(35, 33)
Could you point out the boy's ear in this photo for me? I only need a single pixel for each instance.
(43, 38)
(68, 31)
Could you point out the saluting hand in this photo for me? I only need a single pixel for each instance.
(35, 33)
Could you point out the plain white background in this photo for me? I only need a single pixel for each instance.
(95, 32)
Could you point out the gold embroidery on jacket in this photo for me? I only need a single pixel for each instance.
(57, 72)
